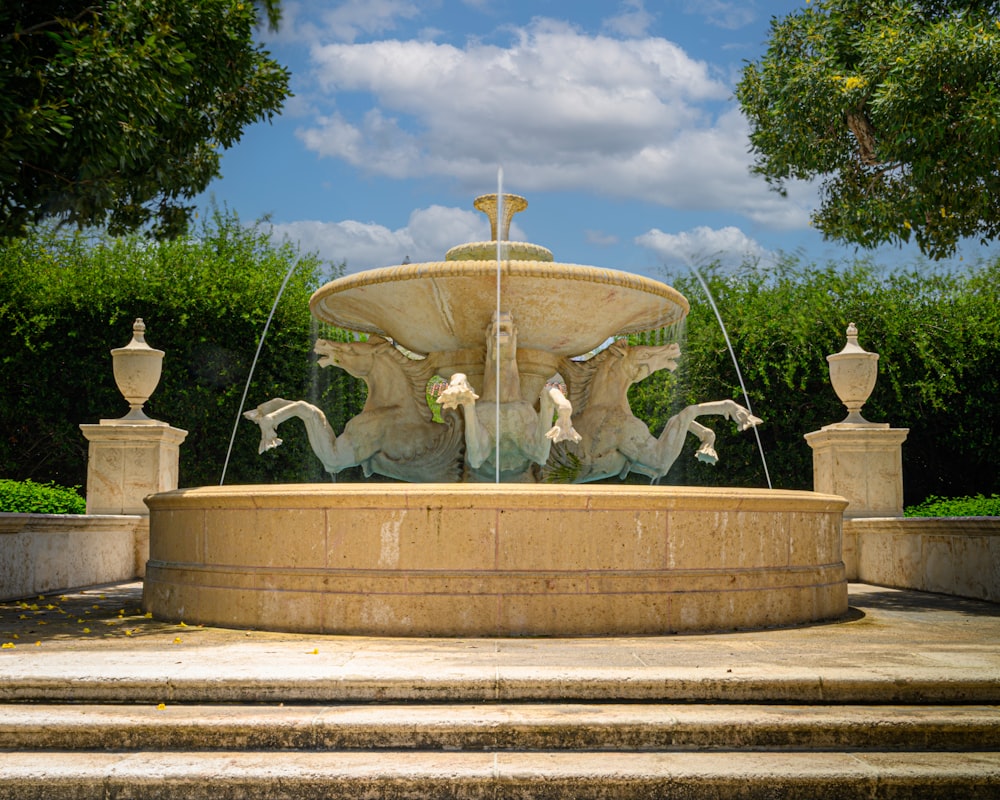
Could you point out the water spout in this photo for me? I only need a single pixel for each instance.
(253, 366)
(739, 374)
(499, 228)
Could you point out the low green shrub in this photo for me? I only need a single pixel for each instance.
(28, 497)
(975, 506)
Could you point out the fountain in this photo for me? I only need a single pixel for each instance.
(446, 553)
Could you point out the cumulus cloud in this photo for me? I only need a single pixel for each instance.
(561, 110)
(729, 246)
(427, 236)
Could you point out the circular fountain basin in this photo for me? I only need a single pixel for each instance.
(497, 560)
(447, 305)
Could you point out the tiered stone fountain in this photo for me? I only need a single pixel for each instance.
(446, 553)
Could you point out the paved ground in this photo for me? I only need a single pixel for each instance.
(894, 646)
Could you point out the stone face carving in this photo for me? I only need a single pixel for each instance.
(502, 412)
(614, 441)
(394, 435)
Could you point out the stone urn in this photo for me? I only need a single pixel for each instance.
(853, 372)
(137, 368)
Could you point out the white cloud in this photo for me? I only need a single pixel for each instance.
(560, 110)
(344, 22)
(633, 20)
(428, 235)
(728, 245)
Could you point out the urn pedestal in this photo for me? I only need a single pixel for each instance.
(134, 456)
(859, 460)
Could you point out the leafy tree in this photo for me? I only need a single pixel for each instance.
(67, 299)
(895, 104)
(114, 111)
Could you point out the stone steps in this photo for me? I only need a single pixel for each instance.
(538, 750)
(500, 727)
(901, 701)
(486, 776)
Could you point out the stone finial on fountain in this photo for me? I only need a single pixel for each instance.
(512, 203)
(853, 372)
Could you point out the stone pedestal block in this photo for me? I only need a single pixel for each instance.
(128, 461)
(862, 463)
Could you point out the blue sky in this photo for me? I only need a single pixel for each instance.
(616, 120)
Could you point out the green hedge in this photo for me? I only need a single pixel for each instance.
(977, 506)
(28, 497)
(938, 337)
(67, 299)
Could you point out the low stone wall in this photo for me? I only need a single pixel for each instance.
(958, 556)
(43, 553)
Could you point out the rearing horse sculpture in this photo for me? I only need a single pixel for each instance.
(526, 434)
(615, 442)
(394, 435)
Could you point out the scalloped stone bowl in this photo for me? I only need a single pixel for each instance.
(441, 306)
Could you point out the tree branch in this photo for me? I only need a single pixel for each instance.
(863, 131)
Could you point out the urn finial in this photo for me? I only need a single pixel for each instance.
(137, 368)
(853, 372)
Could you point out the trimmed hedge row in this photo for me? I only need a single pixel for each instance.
(66, 300)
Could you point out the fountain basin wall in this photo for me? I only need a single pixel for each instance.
(494, 560)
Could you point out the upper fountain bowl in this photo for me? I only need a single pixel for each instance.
(563, 309)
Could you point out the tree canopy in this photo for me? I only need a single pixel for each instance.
(896, 106)
(114, 112)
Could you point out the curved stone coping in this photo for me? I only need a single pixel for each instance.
(506, 495)
(489, 560)
(448, 305)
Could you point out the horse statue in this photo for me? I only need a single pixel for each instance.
(615, 442)
(395, 433)
(526, 433)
